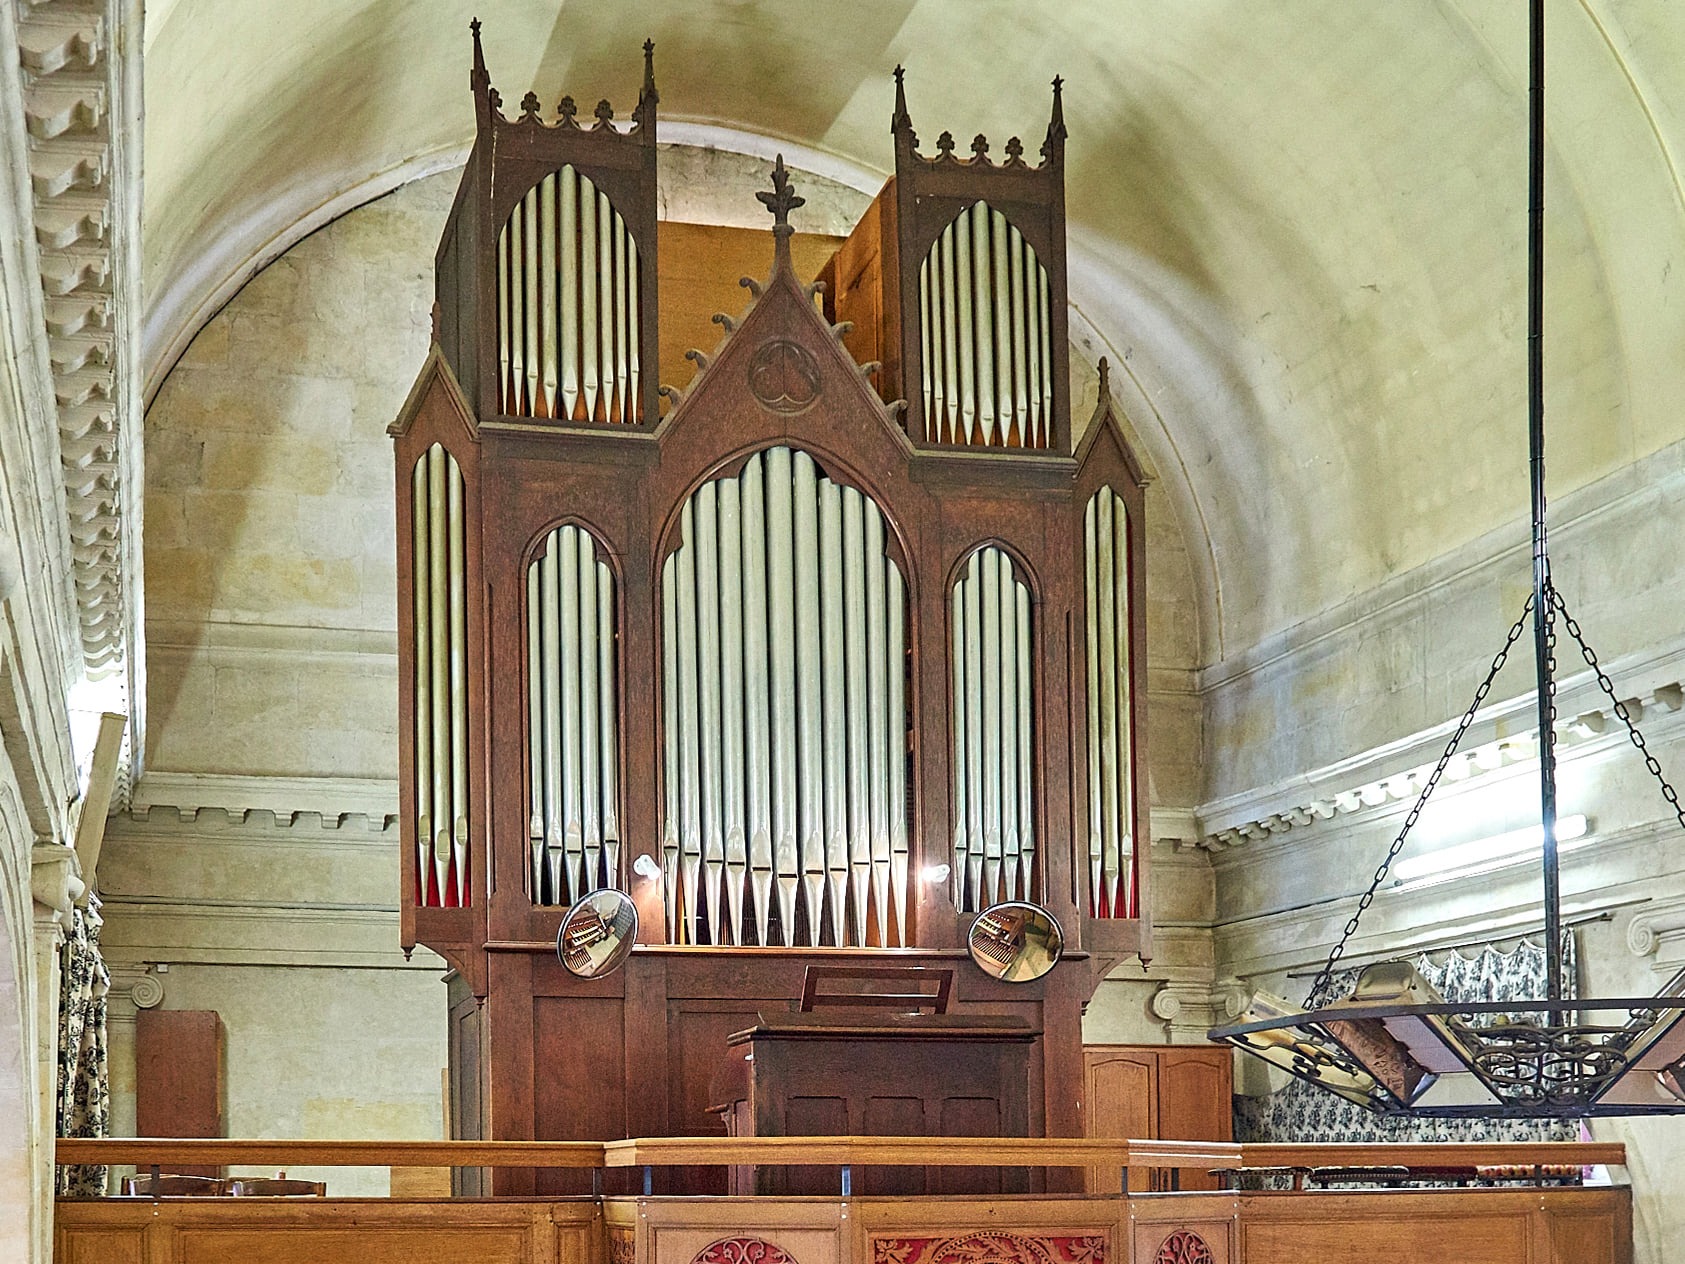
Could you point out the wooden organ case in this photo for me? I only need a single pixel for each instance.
(813, 674)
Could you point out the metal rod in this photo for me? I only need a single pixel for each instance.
(809, 702)
(836, 708)
(535, 730)
(1091, 623)
(899, 856)
(877, 696)
(1000, 284)
(458, 683)
(950, 364)
(1026, 777)
(671, 720)
(529, 277)
(859, 715)
(781, 642)
(1542, 611)
(982, 308)
(1010, 719)
(590, 713)
(568, 326)
(550, 609)
(962, 690)
(690, 737)
(757, 733)
(991, 733)
(608, 724)
(706, 543)
(731, 702)
(549, 334)
(590, 372)
(605, 308)
(421, 572)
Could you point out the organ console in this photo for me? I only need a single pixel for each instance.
(837, 652)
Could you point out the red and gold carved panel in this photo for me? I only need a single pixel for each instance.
(743, 1251)
(992, 1247)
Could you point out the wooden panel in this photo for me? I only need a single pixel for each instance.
(1195, 1100)
(387, 1246)
(699, 268)
(99, 1246)
(1121, 1100)
(178, 1077)
(1488, 1227)
(1585, 1235)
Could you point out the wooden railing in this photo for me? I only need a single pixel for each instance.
(829, 1151)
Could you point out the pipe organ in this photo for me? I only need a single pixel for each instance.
(816, 665)
(573, 719)
(784, 714)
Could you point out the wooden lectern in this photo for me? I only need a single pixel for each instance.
(857, 1071)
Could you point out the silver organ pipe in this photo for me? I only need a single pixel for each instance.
(440, 623)
(1111, 842)
(994, 782)
(573, 719)
(799, 682)
(984, 334)
(568, 324)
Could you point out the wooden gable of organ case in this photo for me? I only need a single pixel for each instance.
(809, 679)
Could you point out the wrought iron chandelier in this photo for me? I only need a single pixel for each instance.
(1395, 1046)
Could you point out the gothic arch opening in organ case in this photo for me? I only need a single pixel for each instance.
(767, 649)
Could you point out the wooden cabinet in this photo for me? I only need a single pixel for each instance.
(1176, 1092)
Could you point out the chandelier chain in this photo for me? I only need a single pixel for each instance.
(1619, 707)
(1326, 975)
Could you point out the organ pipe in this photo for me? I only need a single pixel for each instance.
(573, 718)
(805, 660)
(984, 330)
(993, 697)
(440, 624)
(568, 327)
(1110, 765)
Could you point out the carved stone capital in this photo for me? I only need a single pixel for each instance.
(1190, 1008)
(1658, 931)
(133, 988)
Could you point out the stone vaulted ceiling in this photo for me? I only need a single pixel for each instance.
(1298, 227)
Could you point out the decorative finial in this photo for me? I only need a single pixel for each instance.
(901, 122)
(1015, 150)
(478, 79)
(980, 147)
(781, 201)
(643, 117)
(1105, 380)
(566, 110)
(604, 113)
(529, 106)
(945, 144)
(1056, 124)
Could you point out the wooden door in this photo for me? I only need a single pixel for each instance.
(1120, 1100)
(1195, 1100)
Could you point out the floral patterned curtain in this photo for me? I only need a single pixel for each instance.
(1302, 1112)
(84, 1089)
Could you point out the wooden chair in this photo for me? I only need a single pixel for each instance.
(276, 1187)
(172, 1186)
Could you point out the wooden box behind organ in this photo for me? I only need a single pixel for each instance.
(814, 658)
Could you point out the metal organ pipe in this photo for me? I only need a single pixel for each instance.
(984, 335)
(439, 608)
(1111, 780)
(573, 718)
(994, 782)
(806, 664)
(568, 324)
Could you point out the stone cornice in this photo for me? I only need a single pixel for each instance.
(81, 110)
(1651, 685)
(342, 803)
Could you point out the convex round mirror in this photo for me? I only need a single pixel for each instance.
(1015, 942)
(597, 934)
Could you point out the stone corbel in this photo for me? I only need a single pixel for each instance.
(55, 879)
(1659, 931)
